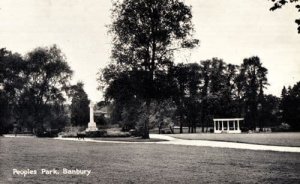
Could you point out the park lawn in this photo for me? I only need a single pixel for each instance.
(143, 163)
(275, 139)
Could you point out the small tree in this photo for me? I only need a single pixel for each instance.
(79, 106)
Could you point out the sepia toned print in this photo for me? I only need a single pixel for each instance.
(149, 91)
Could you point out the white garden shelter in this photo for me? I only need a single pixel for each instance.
(227, 125)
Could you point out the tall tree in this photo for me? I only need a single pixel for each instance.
(230, 102)
(48, 78)
(255, 80)
(270, 115)
(290, 106)
(12, 80)
(145, 34)
(205, 71)
(79, 106)
(215, 94)
(180, 78)
(193, 95)
(187, 80)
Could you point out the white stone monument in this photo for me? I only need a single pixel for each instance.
(92, 125)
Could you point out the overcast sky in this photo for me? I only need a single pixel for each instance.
(227, 29)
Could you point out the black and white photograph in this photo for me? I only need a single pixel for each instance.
(149, 91)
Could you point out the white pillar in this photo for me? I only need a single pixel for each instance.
(215, 126)
(234, 125)
(238, 124)
(222, 126)
(91, 112)
(227, 126)
(91, 125)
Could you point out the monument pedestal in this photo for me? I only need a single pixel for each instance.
(92, 125)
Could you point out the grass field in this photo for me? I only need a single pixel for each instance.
(276, 139)
(143, 163)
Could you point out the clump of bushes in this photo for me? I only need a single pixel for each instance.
(117, 132)
(284, 127)
(47, 133)
(98, 133)
(72, 132)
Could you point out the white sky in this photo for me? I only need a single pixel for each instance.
(228, 29)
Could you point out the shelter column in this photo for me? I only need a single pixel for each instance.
(234, 125)
(227, 126)
(222, 126)
(238, 124)
(214, 126)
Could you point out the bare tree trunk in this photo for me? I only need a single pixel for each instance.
(181, 121)
(181, 118)
(202, 118)
(146, 123)
(146, 130)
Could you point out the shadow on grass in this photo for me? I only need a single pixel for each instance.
(127, 139)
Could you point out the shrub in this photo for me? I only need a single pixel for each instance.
(47, 133)
(98, 133)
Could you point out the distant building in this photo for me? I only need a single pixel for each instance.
(103, 111)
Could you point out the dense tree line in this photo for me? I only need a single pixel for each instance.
(34, 89)
(290, 106)
(143, 76)
(146, 88)
(196, 92)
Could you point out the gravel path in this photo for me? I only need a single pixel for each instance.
(217, 144)
(222, 144)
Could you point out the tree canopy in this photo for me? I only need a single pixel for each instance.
(278, 4)
(290, 106)
(145, 35)
(79, 105)
(34, 87)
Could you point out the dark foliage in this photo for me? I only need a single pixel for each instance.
(33, 87)
(144, 32)
(79, 106)
(290, 106)
(278, 4)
